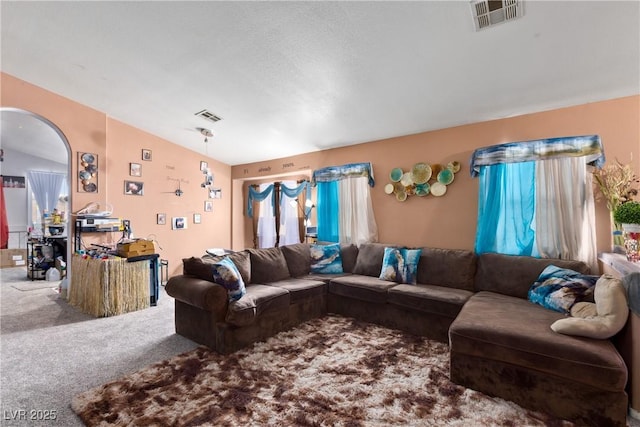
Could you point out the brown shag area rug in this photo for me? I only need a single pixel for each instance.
(332, 371)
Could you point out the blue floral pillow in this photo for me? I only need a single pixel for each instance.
(226, 273)
(559, 289)
(400, 265)
(326, 259)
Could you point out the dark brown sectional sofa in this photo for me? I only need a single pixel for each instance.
(501, 344)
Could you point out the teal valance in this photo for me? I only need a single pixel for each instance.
(259, 196)
(588, 146)
(337, 173)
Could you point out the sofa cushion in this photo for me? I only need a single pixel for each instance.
(369, 260)
(326, 259)
(601, 320)
(227, 275)
(513, 275)
(361, 287)
(400, 265)
(429, 298)
(515, 331)
(298, 257)
(301, 288)
(259, 299)
(560, 288)
(453, 268)
(201, 267)
(268, 265)
(349, 255)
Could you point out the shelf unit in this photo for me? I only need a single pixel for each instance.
(108, 225)
(42, 253)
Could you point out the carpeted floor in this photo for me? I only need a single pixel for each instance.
(49, 351)
(332, 371)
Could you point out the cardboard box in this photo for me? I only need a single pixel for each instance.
(136, 248)
(12, 257)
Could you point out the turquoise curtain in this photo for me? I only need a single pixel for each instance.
(328, 202)
(506, 209)
(327, 211)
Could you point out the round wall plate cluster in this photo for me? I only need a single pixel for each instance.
(421, 180)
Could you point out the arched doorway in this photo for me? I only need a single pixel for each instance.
(34, 138)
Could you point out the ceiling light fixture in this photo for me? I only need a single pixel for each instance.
(206, 132)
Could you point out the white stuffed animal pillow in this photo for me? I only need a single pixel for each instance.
(601, 320)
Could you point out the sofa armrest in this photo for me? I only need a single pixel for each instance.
(200, 293)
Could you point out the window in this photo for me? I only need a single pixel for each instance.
(535, 198)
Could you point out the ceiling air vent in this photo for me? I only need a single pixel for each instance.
(208, 115)
(487, 13)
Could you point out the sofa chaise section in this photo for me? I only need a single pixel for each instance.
(502, 345)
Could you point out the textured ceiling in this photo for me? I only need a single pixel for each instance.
(294, 77)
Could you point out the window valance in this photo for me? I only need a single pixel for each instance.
(337, 173)
(588, 146)
(259, 196)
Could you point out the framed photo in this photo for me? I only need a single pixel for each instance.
(134, 188)
(204, 166)
(135, 169)
(179, 223)
(196, 218)
(215, 193)
(161, 219)
(146, 154)
(208, 206)
(13, 181)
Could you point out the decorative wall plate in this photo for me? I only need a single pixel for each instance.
(388, 188)
(401, 196)
(396, 174)
(445, 176)
(423, 189)
(454, 166)
(88, 158)
(406, 179)
(438, 189)
(420, 173)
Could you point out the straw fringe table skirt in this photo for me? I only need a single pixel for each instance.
(109, 287)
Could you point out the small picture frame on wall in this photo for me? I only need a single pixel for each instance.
(204, 166)
(135, 169)
(196, 218)
(215, 193)
(179, 223)
(161, 219)
(134, 188)
(146, 154)
(208, 206)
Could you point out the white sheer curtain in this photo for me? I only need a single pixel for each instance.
(289, 225)
(46, 188)
(266, 222)
(356, 219)
(565, 213)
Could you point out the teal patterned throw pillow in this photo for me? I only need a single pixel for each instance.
(226, 274)
(326, 259)
(400, 265)
(559, 289)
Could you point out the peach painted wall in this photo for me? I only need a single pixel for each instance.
(118, 144)
(450, 221)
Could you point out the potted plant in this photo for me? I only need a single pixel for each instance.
(617, 183)
(628, 214)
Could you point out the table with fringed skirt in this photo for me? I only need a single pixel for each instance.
(109, 287)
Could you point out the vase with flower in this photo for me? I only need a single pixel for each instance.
(617, 183)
